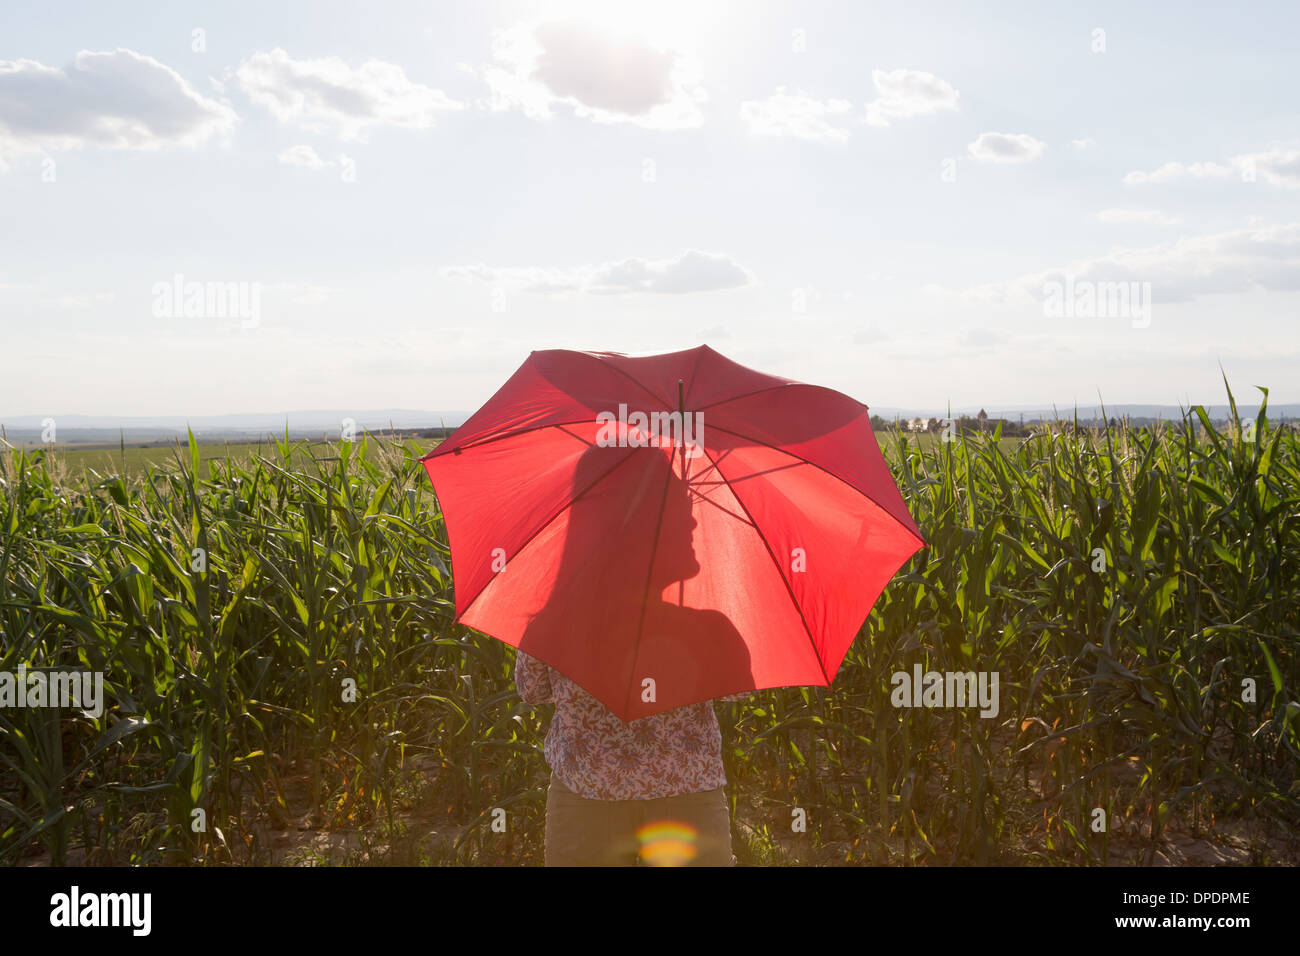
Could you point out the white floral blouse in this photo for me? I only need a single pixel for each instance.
(599, 757)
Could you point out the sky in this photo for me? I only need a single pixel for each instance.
(256, 207)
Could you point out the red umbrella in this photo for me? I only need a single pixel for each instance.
(667, 529)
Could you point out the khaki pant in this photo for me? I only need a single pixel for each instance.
(691, 829)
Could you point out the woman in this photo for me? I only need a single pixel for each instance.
(654, 788)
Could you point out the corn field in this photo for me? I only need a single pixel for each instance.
(278, 651)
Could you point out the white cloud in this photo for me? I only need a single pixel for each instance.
(692, 271)
(904, 93)
(112, 100)
(1006, 148)
(327, 93)
(797, 115)
(1172, 172)
(602, 76)
(1150, 216)
(303, 155)
(1086, 142)
(1243, 260)
(1278, 167)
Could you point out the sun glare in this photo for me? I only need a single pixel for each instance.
(669, 24)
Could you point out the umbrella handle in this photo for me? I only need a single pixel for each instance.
(681, 408)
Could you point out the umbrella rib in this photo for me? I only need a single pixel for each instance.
(772, 388)
(813, 464)
(435, 452)
(629, 377)
(776, 564)
(645, 595)
(532, 428)
(512, 434)
(697, 482)
(546, 524)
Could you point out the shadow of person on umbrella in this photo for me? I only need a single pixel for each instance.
(619, 618)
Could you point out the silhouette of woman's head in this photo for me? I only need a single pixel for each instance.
(632, 502)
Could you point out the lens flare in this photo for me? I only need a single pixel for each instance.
(667, 843)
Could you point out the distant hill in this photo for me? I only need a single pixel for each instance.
(236, 426)
(313, 423)
(1093, 411)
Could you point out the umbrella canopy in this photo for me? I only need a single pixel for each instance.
(667, 529)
